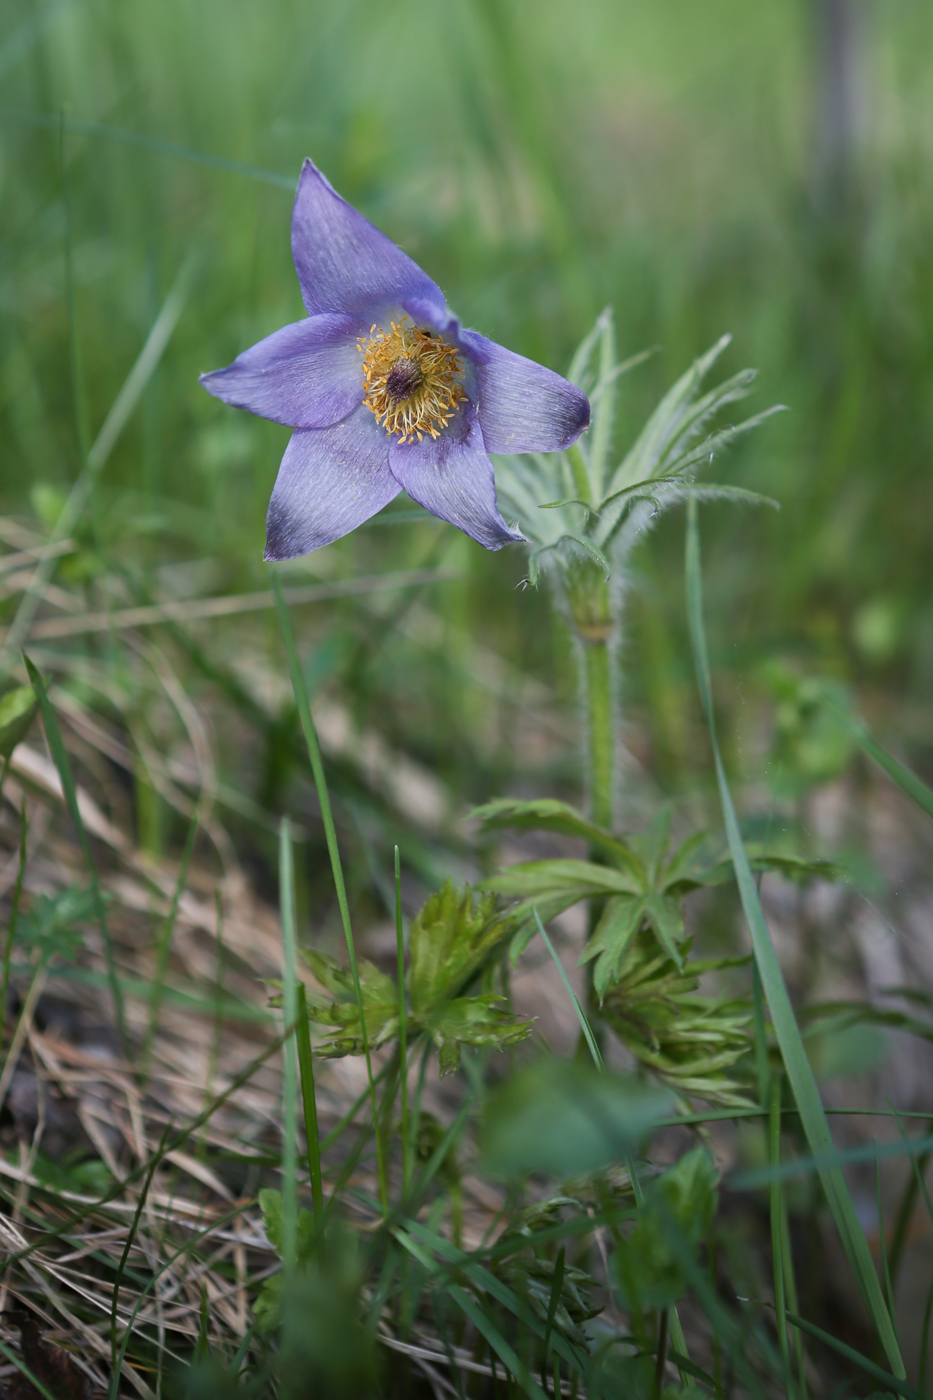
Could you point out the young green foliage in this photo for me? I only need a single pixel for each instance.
(452, 939)
(573, 507)
(644, 881)
(693, 1044)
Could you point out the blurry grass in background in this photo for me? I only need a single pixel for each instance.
(761, 170)
(541, 161)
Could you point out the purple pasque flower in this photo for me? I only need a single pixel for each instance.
(386, 390)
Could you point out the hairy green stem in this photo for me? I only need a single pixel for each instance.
(600, 755)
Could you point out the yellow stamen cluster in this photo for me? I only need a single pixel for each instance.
(412, 380)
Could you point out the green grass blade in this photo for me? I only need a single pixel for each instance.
(96, 457)
(923, 1366)
(402, 1020)
(487, 1328)
(290, 1068)
(895, 1383)
(309, 1102)
(585, 1027)
(320, 782)
(60, 759)
(125, 136)
(925, 1145)
(777, 1239)
(131, 1235)
(790, 1290)
(493, 1285)
(762, 1067)
(800, 1166)
(799, 1072)
(16, 1360)
(883, 1240)
(906, 780)
(165, 941)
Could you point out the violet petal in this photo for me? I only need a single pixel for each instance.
(343, 262)
(523, 407)
(330, 481)
(306, 375)
(452, 477)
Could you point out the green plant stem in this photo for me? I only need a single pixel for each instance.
(309, 1101)
(777, 1236)
(402, 1027)
(290, 1070)
(60, 758)
(904, 1214)
(165, 944)
(597, 681)
(661, 1357)
(323, 797)
(883, 1241)
(790, 1290)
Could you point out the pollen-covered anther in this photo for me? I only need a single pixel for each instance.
(412, 380)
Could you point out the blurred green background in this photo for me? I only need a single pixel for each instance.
(762, 169)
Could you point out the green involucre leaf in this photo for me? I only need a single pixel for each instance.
(664, 916)
(477, 1021)
(451, 938)
(536, 878)
(547, 814)
(379, 998)
(617, 926)
(17, 711)
(689, 1042)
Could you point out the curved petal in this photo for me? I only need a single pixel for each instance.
(343, 262)
(306, 375)
(330, 481)
(452, 477)
(523, 407)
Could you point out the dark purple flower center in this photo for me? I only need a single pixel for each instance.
(403, 379)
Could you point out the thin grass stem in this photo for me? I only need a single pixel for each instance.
(793, 1304)
(402, 1022)
(923, 1364)
(290, 1069)
(309, 1102)
(777, 1240)
(62, 764)
(883, 1243)
(320, 782)
(165, 943)
(131, 1235)
(581, 1014)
